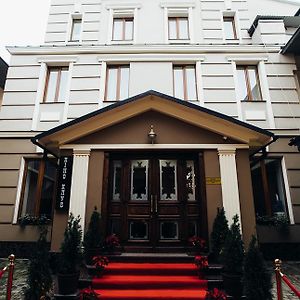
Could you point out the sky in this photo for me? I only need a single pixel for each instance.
(23, 22)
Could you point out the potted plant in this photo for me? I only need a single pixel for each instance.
(111, 243)
(216, 294)
(100, 262)
(93, 242)
(198, 244)
(232, 256)
(89, 294)
(257, 279)
(218, 235)
(201, 263)
(39, 278)
(71, 257)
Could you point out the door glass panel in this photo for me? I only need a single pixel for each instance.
(115, 227)
(190, 180)
(138, 230)
(139, 179)
(192, 229)
(168, 179)
(169, 230)
(117, 167)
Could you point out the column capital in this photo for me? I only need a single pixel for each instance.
(82, 152)
(226, 151)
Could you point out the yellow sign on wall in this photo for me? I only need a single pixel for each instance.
(213, 180)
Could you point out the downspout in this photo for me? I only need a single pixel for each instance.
(274, 139)
(35, 142)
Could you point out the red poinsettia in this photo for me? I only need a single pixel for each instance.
(198, 243)
(201, 262)
(216, 294)
(100, 262)
(112, 241)
(89, 294)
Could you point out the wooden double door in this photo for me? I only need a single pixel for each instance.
(156, 200)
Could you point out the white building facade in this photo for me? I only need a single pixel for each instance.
(209, 76)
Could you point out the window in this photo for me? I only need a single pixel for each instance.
(268, 187)
(185, 82)
(123, 29)
(38, 187)
(248, 83)
(178, 28)
(117, 83)
(229, 28)
(56, 84)
(76, 30)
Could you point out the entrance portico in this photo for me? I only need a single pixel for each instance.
(162, 193)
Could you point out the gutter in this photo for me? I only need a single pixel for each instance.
(35, 142)
(274, 139)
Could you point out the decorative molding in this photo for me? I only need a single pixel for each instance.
(57, 59)
(121, 5)
(177, 4)
(247, 58)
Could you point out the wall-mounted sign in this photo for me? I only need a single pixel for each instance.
(64, 183)
(213, 180)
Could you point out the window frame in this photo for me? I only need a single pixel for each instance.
(177, 28)
(57, 84)
(118, 83)
(183, 68)
(245, 68)
(231, 19)
(124, 20)
(74, 20)
(38, 193)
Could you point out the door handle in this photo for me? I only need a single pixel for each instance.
(155, 204)
(151, 204)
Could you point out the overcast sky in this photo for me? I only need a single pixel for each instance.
(23, 22)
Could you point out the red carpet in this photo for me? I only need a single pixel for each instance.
(177, 281)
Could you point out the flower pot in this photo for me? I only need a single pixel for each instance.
(233, 285)
(67, 283)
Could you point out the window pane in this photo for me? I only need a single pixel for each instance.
(51, 85)
(168, 179)
(183, 28)
(178, 83)
(229, 28)
(30, 187)
(254, 86)
(118, 29)
(63, 85)
(139, 179)
(191, 83)
(242, 86)
(111, 86)
(172, 29)
(76, 30)
(48, 189)
(124, 82)
(129, 30)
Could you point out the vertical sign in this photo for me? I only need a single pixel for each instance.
(64, 183)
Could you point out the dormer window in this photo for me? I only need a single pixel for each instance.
(229, 28)
(76, 29)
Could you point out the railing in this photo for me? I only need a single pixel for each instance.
(10, 268)
(281, 277)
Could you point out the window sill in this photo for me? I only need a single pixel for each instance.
(175, 42)
(58, 102)
(122, 42)
(253, 101)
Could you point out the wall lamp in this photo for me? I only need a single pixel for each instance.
(152, 135)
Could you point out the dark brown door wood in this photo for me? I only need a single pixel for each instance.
(154, 200)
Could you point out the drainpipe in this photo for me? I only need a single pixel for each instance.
(35, 142)
(263, 148)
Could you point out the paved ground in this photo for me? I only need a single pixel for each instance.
(291, 269)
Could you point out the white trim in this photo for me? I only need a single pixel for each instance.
(39, 95)
(199, 82)
(176, 4)
(287, 191)
(102, 83)
(19, 191)
(243, 58)
(88, 147)
(238, 101)
(58, 60)
(191, 25)
(263, 81)
(110, 26)
(72, 17)
(151, 57)
(68, 91)
(123, 6)
(229, 184)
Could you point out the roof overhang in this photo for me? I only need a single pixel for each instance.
(293, 45)
(188, 112)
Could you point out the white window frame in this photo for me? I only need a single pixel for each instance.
(122, 11)
(259, 61)
(184, 9)
(235, 16)
(74, 16)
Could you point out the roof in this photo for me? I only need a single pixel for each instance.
(152, 100)
(289, 21)
(3, 72)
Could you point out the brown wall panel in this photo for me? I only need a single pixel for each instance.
(10, 232)
(17, 146)
(294, 177)
(296, 209)
(6, 213)
(9, 178)
(295, 194)
(213, 192)
(246, 195)
(59, 224)
(10, 161)
(95, 181)
(292, 160)
(7, 195)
